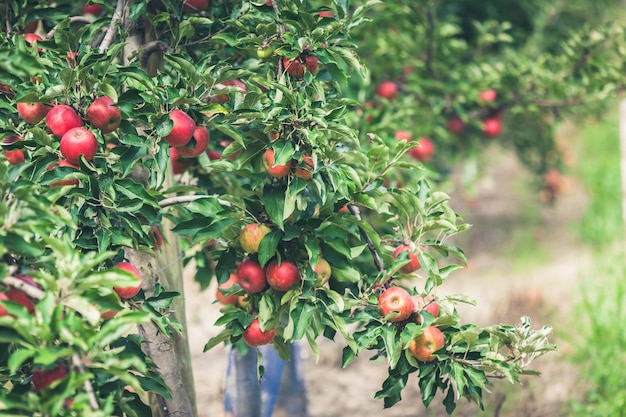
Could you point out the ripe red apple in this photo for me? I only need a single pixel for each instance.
(306, 170)
(293, 67)
(133, 290)
(76, 142)
(282, 276)
(424, 151)
(427, 343)
(254, 336)
(231, 299)
(323, 271)
(94, 9)
(3, 310)
(183, 128)
(251, 235)
(32, 112)
(395, 300)
(403, 135)
(492, 127)
(179, 164)
(62, 118)
(455, 125)
(63, 163)
(18, 296)
(311, 63)
(326, 14)
(156, 237)
(277, 171)
(343, 209)
(213, 155)
(198, 143)
(428, 304)
(224, 98)
(31, 26)
(15, 157)
(6, 90)
(32, 38)
(387, 90)
(194, 6)
(251, 277)
(488, 95)
(103, 115)
(414, 263)
(43, 378)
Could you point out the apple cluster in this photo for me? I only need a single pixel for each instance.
(254, 279)
(186, 140)
(302, 170)
(297, 66)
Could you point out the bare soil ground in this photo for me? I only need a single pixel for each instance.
(524, 259)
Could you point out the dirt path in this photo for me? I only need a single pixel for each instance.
(507, 278)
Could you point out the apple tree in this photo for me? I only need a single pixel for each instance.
(232, 132)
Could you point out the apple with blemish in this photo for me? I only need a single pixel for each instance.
(251, 235)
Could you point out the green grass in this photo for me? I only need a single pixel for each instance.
(599, 336)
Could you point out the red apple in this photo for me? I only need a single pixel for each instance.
(414, 263)
(183, 128)
(323, 271)
(18, 296)
(103, 115)
(198, 143)
(94, 9)
(3, 310)
(254, 336)
(282, 276)
(76, 142)
(326, 14)
(487, 95)
(194, 6)
(224, 98)
(293, 67)
(156, 237)
(231, 299)
(428, 304)
(251, 277)
(63, 163)
(492, 127)
(43, 378)
(403, 135)
(277, 171)
(251, 236)
(32, 38)
(6, 90)
(423, 151)
(213, 155)
(455, 125)
(32, 112)
(179, 164)
(62, 118)
(387, 90)
(306, 170)
(15, 157)
(31, 26)
(133, 290)
(343, 210)
(395, 300)
(311, 63)
(427, 343)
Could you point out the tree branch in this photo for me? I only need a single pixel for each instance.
(150, 48)
(370, 245)
(112, 30)
(73, 19)
(33, 292)
(93, 400)
(172, 201)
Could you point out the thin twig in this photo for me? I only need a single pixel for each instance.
(7, 20)
(281, 32)
(93, 400)
(112, 30)
(172, 201)
(370, 245)
(73, 19)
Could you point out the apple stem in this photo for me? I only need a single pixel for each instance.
(370, 245)
(93, 401)
(112, 29)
